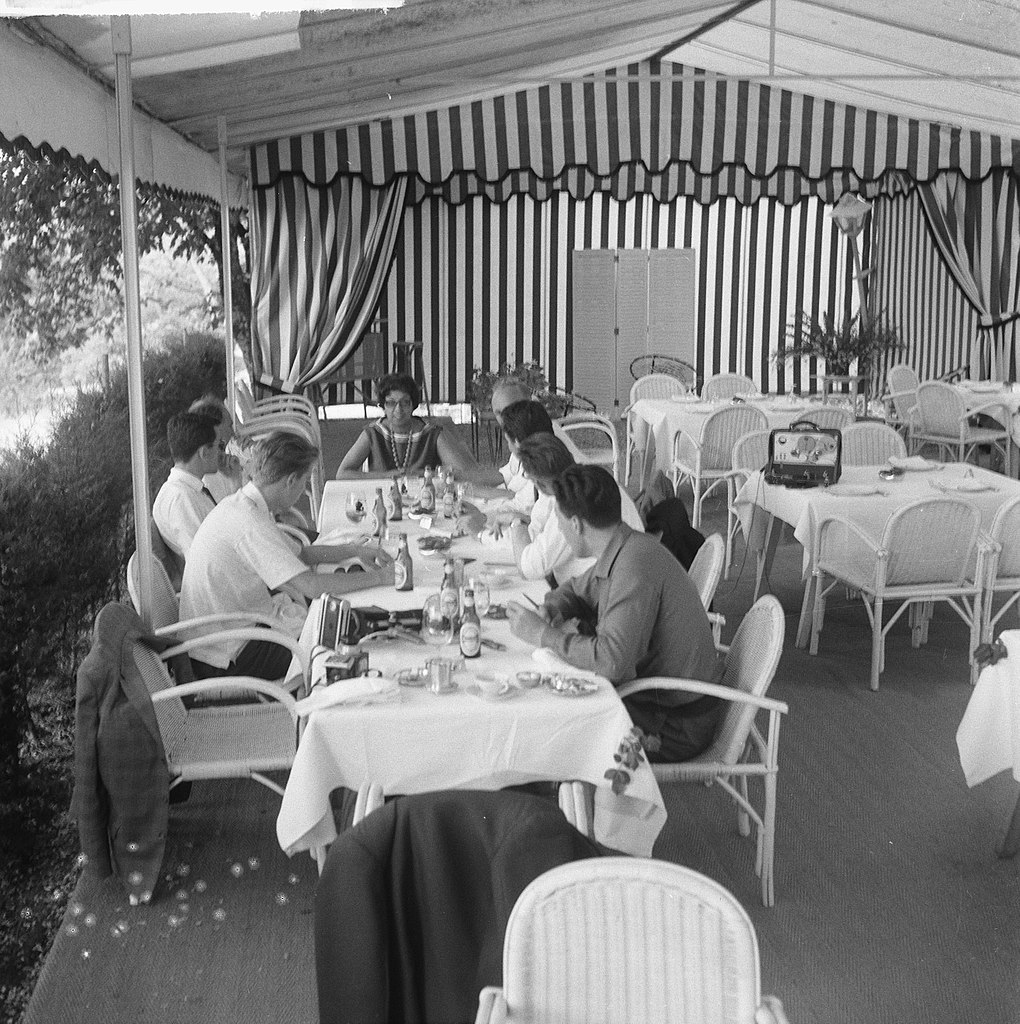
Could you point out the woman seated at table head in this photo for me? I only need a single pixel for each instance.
(401, 442)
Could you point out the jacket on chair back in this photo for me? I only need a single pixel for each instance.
(121, 780)
(413, 902)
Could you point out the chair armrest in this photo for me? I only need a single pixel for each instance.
(245, 633)
(705, 689)
(684, 445)
(825, 522)
(975, 409)
(184, 625)
(242, 684)
(492, 1006)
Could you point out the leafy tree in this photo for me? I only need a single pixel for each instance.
(60, 248)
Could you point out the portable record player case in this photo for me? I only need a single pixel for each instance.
(804, 456)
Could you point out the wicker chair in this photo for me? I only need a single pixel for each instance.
(829, 417)
(750, 454)
(585, 427)
(899, 401)
(705, 572)
(706, 460)
(1004, 573)
(722, 386)
(928, 552)
(941, 417)
(614, 939)
(871, 444)
(652, 385)
(642, 366)
(739, 750)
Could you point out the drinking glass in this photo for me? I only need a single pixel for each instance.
(356, 508)
(481, 588)
(436, 627)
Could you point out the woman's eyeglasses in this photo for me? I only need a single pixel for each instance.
(403, 403)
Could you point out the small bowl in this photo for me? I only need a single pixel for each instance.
(413, 677)
(891, 472)
(493, 685)
(529, 680)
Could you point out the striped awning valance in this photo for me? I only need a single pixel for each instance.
(652, 127)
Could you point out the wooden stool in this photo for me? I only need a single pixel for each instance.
(407, 358)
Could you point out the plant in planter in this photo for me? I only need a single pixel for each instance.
(482, 383)
(854, 342)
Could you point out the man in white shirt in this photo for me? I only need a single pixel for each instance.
(183, 501)
(239, 558)
(541, 549)
(226, 477)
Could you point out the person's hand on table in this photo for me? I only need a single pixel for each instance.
(526, 624)
(374, 556)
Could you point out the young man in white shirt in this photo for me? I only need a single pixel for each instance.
(241, 562)
(540, 548)
(183, 501)
(226, 477)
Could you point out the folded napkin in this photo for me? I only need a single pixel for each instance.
(549, 661)
(350, 693)
(909, 462)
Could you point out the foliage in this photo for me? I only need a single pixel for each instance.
(629, 756)
(60, 248)
(840, 344)
(483, 382)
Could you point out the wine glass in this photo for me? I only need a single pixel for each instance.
(356, 508)
(482, 599)
(436, 626)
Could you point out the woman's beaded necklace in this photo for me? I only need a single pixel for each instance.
(396, 458)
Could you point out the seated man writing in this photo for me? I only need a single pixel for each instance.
(184, 501)
(633, 614)
(239, 558)
(541, 548)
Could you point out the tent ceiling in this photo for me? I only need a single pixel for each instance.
(284, 74)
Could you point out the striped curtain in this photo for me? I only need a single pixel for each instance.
(976, 225)
(321, 257)
(913, 290)
(483, 284)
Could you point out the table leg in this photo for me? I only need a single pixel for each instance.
(766, 553)
(807, 611)
(1011, 844)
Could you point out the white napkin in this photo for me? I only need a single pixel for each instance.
(909, 462)
(549, 661)
(350, 693)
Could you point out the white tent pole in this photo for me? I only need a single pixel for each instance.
(228, 265)
(121, 30)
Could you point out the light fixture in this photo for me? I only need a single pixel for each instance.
(849, 214)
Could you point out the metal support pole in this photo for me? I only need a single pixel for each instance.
(228, 265)
(121, 31)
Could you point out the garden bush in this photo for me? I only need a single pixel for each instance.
(66, 533)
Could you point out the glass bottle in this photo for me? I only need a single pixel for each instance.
(470, 627)
(396, 503)
(449, 596)
(449, 495)
(427, 497)
(403, 567)
(379, 510)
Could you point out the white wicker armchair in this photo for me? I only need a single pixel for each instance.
(593, 437)
(740, 751)
(707, 460)
(653, 385)
(721, 386)
(1004, 572)
(871, 444)
(705, 573)
(616, 939)
(929, 551)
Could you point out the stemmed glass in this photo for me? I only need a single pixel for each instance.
(436, 627)
(481, 589)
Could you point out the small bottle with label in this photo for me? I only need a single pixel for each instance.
(449, 495)
(427, 497)
(470, 627)
(379, 511)
(396, 503)
(403, 567)
(449, 596)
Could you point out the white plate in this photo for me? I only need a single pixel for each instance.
(853, 490)
(962, 486)
(786, 408)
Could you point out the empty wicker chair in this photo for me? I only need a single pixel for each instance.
(871, 444)
(941, 417)
(830, 417)
(653, 385)
(642, 366)
(726, 385)
(928, 552)
(616, 939)
(739, 750)
(705, 572)
(706, 460)
(901, 397)
(594, 438)
(750, 454)
(1004, 577)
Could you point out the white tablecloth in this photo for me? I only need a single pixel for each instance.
(426, 741)
(989, 735)
(657, 420)
(757, 502)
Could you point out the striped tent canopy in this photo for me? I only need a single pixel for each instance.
(653, 127)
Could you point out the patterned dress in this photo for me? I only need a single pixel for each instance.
(424, 447)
